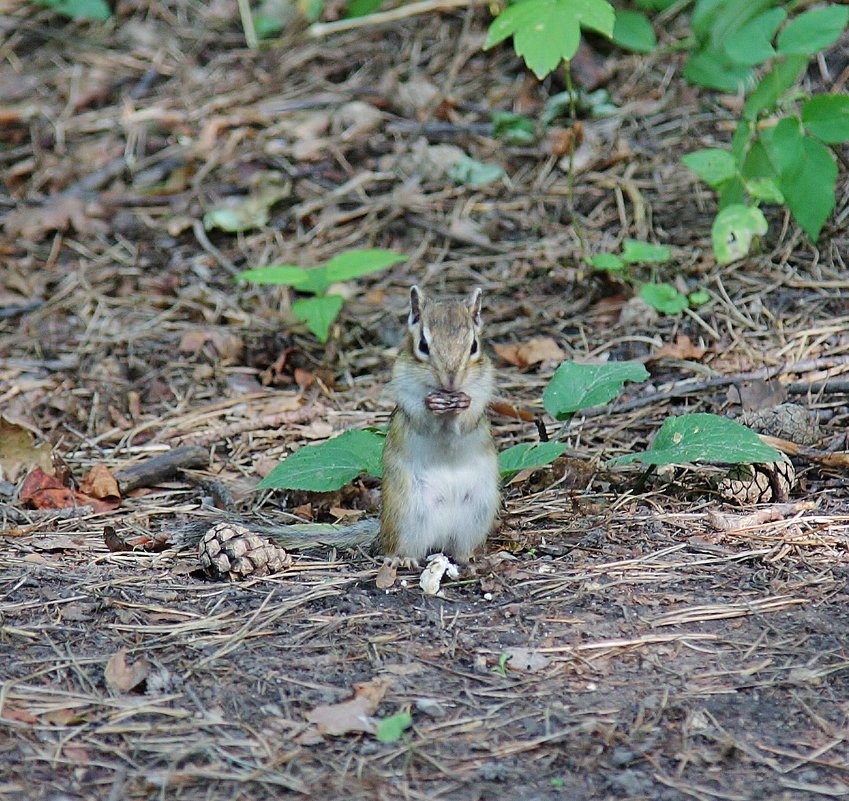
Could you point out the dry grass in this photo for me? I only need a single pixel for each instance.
(615, 644)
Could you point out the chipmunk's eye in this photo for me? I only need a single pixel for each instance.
(474, 349)
(424, 348)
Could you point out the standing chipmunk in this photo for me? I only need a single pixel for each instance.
(440, 466)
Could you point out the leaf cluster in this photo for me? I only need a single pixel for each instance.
(785, 157)
(319, 311)
(663, 297)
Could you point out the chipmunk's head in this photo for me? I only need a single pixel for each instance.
(444, 337)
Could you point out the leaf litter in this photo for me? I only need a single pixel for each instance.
(650, 652)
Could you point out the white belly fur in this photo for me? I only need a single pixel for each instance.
(454, 503)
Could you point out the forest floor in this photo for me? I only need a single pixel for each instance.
(619, 640)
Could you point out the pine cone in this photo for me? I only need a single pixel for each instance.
(231, 550)
(759, 483)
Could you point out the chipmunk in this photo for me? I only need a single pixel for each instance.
(440, 466)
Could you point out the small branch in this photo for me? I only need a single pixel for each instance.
(319, 29)
(159, 468)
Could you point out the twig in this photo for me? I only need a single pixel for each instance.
(159, 468)
(319, 29)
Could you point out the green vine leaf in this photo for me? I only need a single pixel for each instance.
(733, 230)
(579, 386)
(813, 30)
(318, 313)
(545, 32)
(703, 438)
(713, 165)
(329, 465)
(528, 455)
(827, 117)
(664, 297)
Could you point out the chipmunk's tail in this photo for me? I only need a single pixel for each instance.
(294, 536)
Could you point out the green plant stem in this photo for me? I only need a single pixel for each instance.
(248, 24)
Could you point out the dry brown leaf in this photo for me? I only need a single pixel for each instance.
(100, 483)
(43, 491)
(123, 677)
(756, 394)
(56, 214)
(534, 351)
(386, 576)
(681, 348)
(19, 453)
(9, 712)
(227, 347)
(352, 715)
(509, 410)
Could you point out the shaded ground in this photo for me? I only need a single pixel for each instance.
(652, 655)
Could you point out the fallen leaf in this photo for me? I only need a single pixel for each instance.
(534, 351)
(222, 345)
(352, 715)
(100, 483)
(681, 348)
(19, 453)
(56, 214)
(386, 576)
(9, 712)
(346, 514)
(509, 410)
(43, 491)
(756, 394)
(526, 659)
(123, 677)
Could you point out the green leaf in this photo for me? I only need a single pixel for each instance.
(283, 274)
(578, 386)
(360, 8)
(703, 438)
(547, 31)
(732, 192)
(733, 230)
(827, 117)
(634, 32)
(636, 252)
(813, 30)
(318, 313)
(329, 465)
(809, 185)
(664, 297)
(267, 26)
(752, 43)
(783, 144)
(528, 455)
(764, 189)
(389, 730)
(96, 10)
(515, 129)
(713, 69)
(356, 263)
(698, 298)
(471, 172)
(713, 166)
(773, 85)
(607, 261)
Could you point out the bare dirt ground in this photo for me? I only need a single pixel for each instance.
(615, 643)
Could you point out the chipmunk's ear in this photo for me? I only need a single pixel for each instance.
(416, 302)
(474, 304)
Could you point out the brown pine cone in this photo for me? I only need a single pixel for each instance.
(759, 483)
(232, 551)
